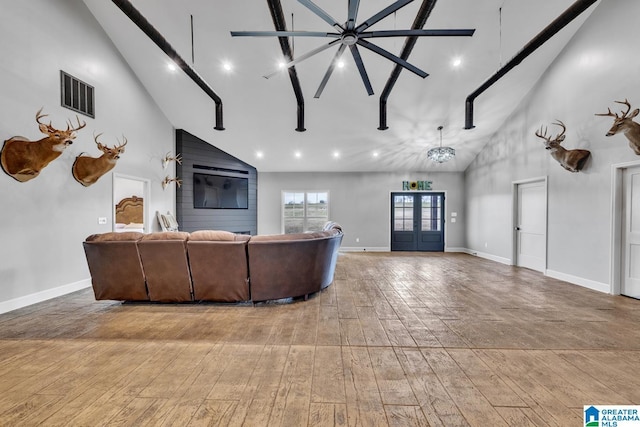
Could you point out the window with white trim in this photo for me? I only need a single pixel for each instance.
(304, 211)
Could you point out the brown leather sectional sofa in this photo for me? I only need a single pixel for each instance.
(211, 265)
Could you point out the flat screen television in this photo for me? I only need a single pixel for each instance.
(220, 192)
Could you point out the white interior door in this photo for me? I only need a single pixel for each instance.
(531, 225)
(631, 233)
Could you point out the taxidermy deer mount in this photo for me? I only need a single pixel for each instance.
(169, 158)
(23, 159)
(571, 160)
(168, 181)
(87, 170)
(626, 125)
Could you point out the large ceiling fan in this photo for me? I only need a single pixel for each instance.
(351, 35)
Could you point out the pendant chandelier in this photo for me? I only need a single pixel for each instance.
(441, 154)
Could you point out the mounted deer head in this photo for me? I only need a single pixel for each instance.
(168, 181)
(87, 170)
(571, 160)
(23, 159)
(626, 125)
(169, 158)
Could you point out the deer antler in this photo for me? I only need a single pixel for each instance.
(169, 158)
(39, 115)
(73, 129)
(540, 135)
(624, 113)
(560, 136)
(607, 114)
(611, 114)
(122, 144)
(168, 180)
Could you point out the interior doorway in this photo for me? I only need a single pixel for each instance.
(530, 224)
(417, 221)
(630, 218)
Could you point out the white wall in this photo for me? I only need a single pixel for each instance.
(599, 65)
(360, 202)
(44, 221)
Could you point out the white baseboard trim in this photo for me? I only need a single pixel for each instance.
(580, 281)
(463, 250)
(363, 249)
(20, 302)
(501, 260)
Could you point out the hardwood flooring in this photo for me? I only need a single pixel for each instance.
(399, 339)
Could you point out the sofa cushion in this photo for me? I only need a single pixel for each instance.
(166, 235)
(292, 236)
(126, 236)
(217, 236)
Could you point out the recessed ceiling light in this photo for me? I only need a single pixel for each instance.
(226, 65)
(297, 154)
(259, 154)
(336, 154)
(172, 67)
(281, 64)
(375, 154)
(340, 64)
(456, 62)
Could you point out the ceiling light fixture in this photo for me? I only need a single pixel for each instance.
(441, 154)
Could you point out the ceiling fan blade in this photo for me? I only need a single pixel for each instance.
(380, 51)
(363, 72)
(321, 13)
(282, 34)
(382, 14)
(302, 58)
(418, 33)
(354, 5)
(325, 79)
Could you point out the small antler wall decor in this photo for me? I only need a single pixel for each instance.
(626, 125)
(571, 160)
(168, 181)
(169, 158)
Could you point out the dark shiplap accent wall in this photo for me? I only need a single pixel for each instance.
(198, 152)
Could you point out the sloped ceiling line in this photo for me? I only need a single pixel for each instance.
(549, 31)
(136, 17)
(280, 25)
(421, 19)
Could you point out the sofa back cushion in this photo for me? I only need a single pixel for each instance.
(115, 267)
(164, 259)
(217, 236)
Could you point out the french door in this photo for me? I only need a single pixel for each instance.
(417, 222)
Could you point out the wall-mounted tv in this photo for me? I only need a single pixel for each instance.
(220, 192)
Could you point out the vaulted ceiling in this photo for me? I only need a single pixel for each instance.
(342, 125)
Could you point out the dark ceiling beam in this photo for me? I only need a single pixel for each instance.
(559, 23)
(410, 42)
(280, 24)
(136, 17)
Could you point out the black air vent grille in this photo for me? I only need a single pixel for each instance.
(77, 95)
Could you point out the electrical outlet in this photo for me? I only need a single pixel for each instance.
(102, 220)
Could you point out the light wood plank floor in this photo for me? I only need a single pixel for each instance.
(399, 339)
